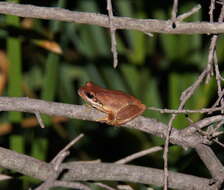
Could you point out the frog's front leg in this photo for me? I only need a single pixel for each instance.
(109, 119)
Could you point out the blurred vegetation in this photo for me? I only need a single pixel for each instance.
(50, 60)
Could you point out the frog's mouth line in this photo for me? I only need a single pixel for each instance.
(93, 104)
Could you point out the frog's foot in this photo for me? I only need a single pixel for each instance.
(102, 120)
(110, 120)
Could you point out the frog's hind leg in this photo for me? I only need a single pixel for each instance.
(128, 113)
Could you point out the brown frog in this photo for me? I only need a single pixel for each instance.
(119, 106)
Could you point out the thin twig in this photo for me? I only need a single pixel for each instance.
(53, 177)
(165, 152)
(112, 33)
(219, 143)
(185, 111)
(218, 81)
(211, 56)
(219, 99)
(138, 155)
(104, 186)
(124, 187)
(184, 97)
(4, 177)
(69, 145)
(40, 121)
(211, 10)
(201, 124)
(221, 15)
(174, 11)
(149, 34)
(189, 13)
(58, 159)
(219, 125)
(73, 185)
(190, 90)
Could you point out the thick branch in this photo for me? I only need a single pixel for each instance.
(147, 125)
(209, 158)
(144, 25)
(80, 171)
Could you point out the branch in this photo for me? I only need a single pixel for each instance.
(147, 125)
(138, 155)
(209, 158)
(112, 34)
(186, 111)
(144, 25)
(79, 171)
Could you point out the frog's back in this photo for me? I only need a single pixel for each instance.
(115, 99)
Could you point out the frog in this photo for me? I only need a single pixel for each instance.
(119, 106)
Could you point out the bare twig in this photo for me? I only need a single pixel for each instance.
(69, 145)
(51, 180)
(104, 186)
(74, 185)
(211, 56)
(4, 177)
(219, 99)
(189, 13)
(185, 111)
(165, 152)
(212, 132)
(213, 61)
(174, 11)
(138, 155)
(58, 159)
(190, 90)
(200, 124)
(220, 123)
(149, 34)
(221, 15)
(217, 76)
(40, 121)
(112, 33)
(219, 143)
(184, 97)
(124, 187)
(211, 10)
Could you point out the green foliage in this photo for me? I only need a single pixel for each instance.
(15, 69)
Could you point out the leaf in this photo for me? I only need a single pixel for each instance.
(39, 148)
(49, 45)
(17, 143)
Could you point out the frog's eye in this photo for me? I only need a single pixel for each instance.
(89, 95)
